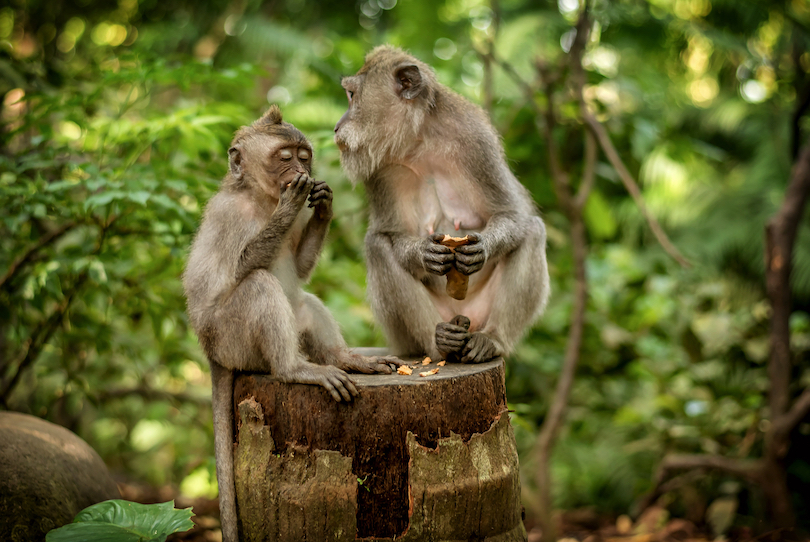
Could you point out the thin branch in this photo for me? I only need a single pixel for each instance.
(783, 425)
(36, 343)
(780, 236)
(588, 173)
(24, 258)
(748, 469)
(632, 187)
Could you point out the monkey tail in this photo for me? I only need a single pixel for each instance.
(222, 404)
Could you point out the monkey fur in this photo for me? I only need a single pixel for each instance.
(255, 246)
(433, 164)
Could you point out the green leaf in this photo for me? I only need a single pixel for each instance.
(599, 216)
(124, 521)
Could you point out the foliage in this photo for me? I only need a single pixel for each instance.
(124, 521)
(117, 120)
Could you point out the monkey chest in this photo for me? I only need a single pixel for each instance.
(445, 205)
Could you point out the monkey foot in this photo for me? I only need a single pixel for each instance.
(452, 337)
(479, 348)
(354, 363)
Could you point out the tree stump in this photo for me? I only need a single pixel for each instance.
(412, 458)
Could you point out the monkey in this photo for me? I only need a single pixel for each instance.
(433, 164)
(255, 245)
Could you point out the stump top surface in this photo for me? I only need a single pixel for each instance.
(450, 370)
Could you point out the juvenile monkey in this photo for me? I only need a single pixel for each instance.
(255, 246)
(432, 164)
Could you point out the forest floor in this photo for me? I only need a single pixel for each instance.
(582, 525)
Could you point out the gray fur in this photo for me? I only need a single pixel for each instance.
(416, 145)
(255, 246)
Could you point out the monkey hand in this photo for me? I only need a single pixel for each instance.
(295, 193)
(437, 258)
(320, 199)
(452, 336)
(470, 258)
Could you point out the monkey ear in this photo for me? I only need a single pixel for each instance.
(410, 83)
(235, 162)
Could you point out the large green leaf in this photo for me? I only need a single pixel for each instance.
(124, 521)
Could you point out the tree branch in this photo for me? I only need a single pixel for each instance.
(632, 187)
(36, 342)
(24, 258)
(780, 236)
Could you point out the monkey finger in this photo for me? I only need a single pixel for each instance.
(453, 330)
(437, 238)
(439, 249)
(391, 360)
(471, 250)
(439, 269)
(340, 387)
(321, 194)
(469, 269)
(382, 368)
(440, 257)
(461, 320)
(348, 383)
(472, 239)
(321, 185)
(331, 389)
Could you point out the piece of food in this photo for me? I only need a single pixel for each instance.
(426, 361)
(456, 282)
(441, 363)
(430, 372)
(404, 370)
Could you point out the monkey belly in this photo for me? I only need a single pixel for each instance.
(477, 306)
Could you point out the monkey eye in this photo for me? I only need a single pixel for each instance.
(349, 95)
(303, 155)
(286, 154)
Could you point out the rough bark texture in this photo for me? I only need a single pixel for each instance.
(47, 476)
(416, 458)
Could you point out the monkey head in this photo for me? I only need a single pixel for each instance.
(389, 99)
(268, 154)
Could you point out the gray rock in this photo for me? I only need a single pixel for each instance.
(47, 476)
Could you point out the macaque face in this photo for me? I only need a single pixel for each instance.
(388, 100)
(273, 161)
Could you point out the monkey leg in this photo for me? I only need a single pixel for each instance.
(518, 295)
(321, 341)
(400, 302)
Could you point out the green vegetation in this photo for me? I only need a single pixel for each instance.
(122, 521)
(116, 120)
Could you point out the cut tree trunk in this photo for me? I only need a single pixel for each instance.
(411, 458)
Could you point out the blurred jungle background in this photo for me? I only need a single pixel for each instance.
(116, 119)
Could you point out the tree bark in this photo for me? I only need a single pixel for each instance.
(411, 458)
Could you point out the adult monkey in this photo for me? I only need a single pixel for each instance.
(255, 246)
(432, 164)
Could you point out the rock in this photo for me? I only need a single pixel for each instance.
(47, 476)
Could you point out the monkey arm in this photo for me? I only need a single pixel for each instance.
(507, 230)
(263, 250)
(309, 248)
